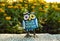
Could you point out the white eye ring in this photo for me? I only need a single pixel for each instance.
(26, 17)
(32, 16)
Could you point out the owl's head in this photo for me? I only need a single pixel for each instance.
(29, 16)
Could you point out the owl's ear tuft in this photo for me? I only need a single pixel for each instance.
(26, 13)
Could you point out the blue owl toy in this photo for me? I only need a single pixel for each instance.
(30, 22)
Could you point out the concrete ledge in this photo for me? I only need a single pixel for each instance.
(20, 37)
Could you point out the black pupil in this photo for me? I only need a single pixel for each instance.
(26, 16)
(32, 16)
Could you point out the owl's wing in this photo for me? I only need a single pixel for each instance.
(23, 24)
(37, 22)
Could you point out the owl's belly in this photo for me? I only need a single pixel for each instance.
(30, 24)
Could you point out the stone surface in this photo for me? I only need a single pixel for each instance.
(20, 37)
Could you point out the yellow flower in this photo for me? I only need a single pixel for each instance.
(18, 5)
(46, 6)
(40, 8)
(57, 9)
(33, 10)
(2, 4)
(20, 0)
(32, 16)
(1, 10)
(22, 7)
(53, 6)
(5, 14)
(42, 2)
(26, 1)
(33, 7)
(10, 6)
(15, 7)
(26, 5)
(35, 3)
(30, 1)
(45, 11)
(8, 18)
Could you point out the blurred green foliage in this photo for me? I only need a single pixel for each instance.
(11, 16)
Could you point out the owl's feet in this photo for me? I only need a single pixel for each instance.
(35, 36)
(28, 36)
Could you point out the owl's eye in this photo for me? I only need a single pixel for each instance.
(32, 16)
(26, 17)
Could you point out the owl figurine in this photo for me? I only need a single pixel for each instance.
(30, 22)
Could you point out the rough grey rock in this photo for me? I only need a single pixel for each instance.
(20, 37)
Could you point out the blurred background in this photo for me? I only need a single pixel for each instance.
(47, 13)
